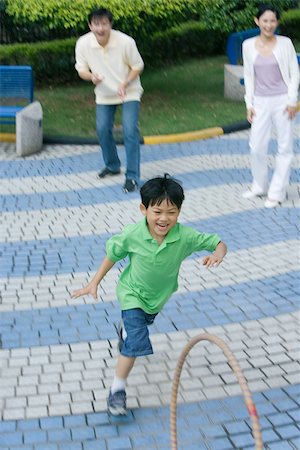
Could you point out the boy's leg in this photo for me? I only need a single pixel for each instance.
(124, 366)
(116, 402)
(136, 343)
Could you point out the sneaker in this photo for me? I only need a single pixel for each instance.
(116, 403)
(250, 194)
(107, 171)
(272, 203)
(119, 330)
(130, 186)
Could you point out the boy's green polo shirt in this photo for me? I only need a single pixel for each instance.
(152, 273)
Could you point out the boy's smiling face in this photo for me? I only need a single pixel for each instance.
(160, 218)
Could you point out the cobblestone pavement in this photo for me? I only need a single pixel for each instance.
(58, 355)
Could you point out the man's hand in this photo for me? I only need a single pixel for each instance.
(122, 91)
(89, 289)
(212, 261)
(96, 78)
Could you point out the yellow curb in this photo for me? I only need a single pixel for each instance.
(183, 137)
(7, 137)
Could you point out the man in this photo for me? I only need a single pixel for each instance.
(111, 61)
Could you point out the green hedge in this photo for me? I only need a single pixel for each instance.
(138, 18)
(191, 39)
(53, 61)
(290, 24)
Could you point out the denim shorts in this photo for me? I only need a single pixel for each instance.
(137, 342)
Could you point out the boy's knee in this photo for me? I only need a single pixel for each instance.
(137, 342)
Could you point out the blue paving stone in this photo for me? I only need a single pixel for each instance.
(11, 439)
(196, 420)
(74, 421)
(292, 389)
(212, 431)
(35, 436)
(265, 408)
(151, 427)
(296, 442)
(236, 427)
(142, 442)
(105, 431)
(9, 425)
(288, 431)
(119, 444)
(279, 419)
(82, 433)
(269, 435)
(285, 404)
(70, 446)
(100, 418)
(19, 447)
(47, 446)
(95, 445)
(279, 446)
(220, 444)
(242, 440)
(220, 416)
(131, 429)
(59, 435)
(295, 415)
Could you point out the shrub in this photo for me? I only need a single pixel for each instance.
(191, 39)
(138, 18)
(290, 24)
(53, 61)
(237, 15)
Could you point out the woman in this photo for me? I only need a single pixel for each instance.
(271, 77)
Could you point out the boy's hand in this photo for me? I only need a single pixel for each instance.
(212, 261)
(89, 289)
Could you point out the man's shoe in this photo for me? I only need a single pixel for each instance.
(130, 186)
(272, 203)
(250, 194)
(107, 171)
(116, 403)
(119, 330)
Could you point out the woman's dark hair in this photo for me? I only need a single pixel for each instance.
(263, 7)
(158, 189)
(99, 13)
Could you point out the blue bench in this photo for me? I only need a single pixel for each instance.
(234, 44)
(16, 91)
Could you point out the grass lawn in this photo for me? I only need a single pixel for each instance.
(184, 97)
(187, 96)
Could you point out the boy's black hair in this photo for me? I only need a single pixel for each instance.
(263, 7)
(99, 13)
(158, 189)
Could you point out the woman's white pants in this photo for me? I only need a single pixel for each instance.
(271, 111)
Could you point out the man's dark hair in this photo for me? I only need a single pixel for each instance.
(263, 7)
(99, 13)
(158, 189)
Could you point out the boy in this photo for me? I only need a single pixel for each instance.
(156, 247)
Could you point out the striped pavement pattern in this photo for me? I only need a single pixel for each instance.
(58, 355)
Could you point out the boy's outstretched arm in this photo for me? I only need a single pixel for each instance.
(216, 257)
(92, 286)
